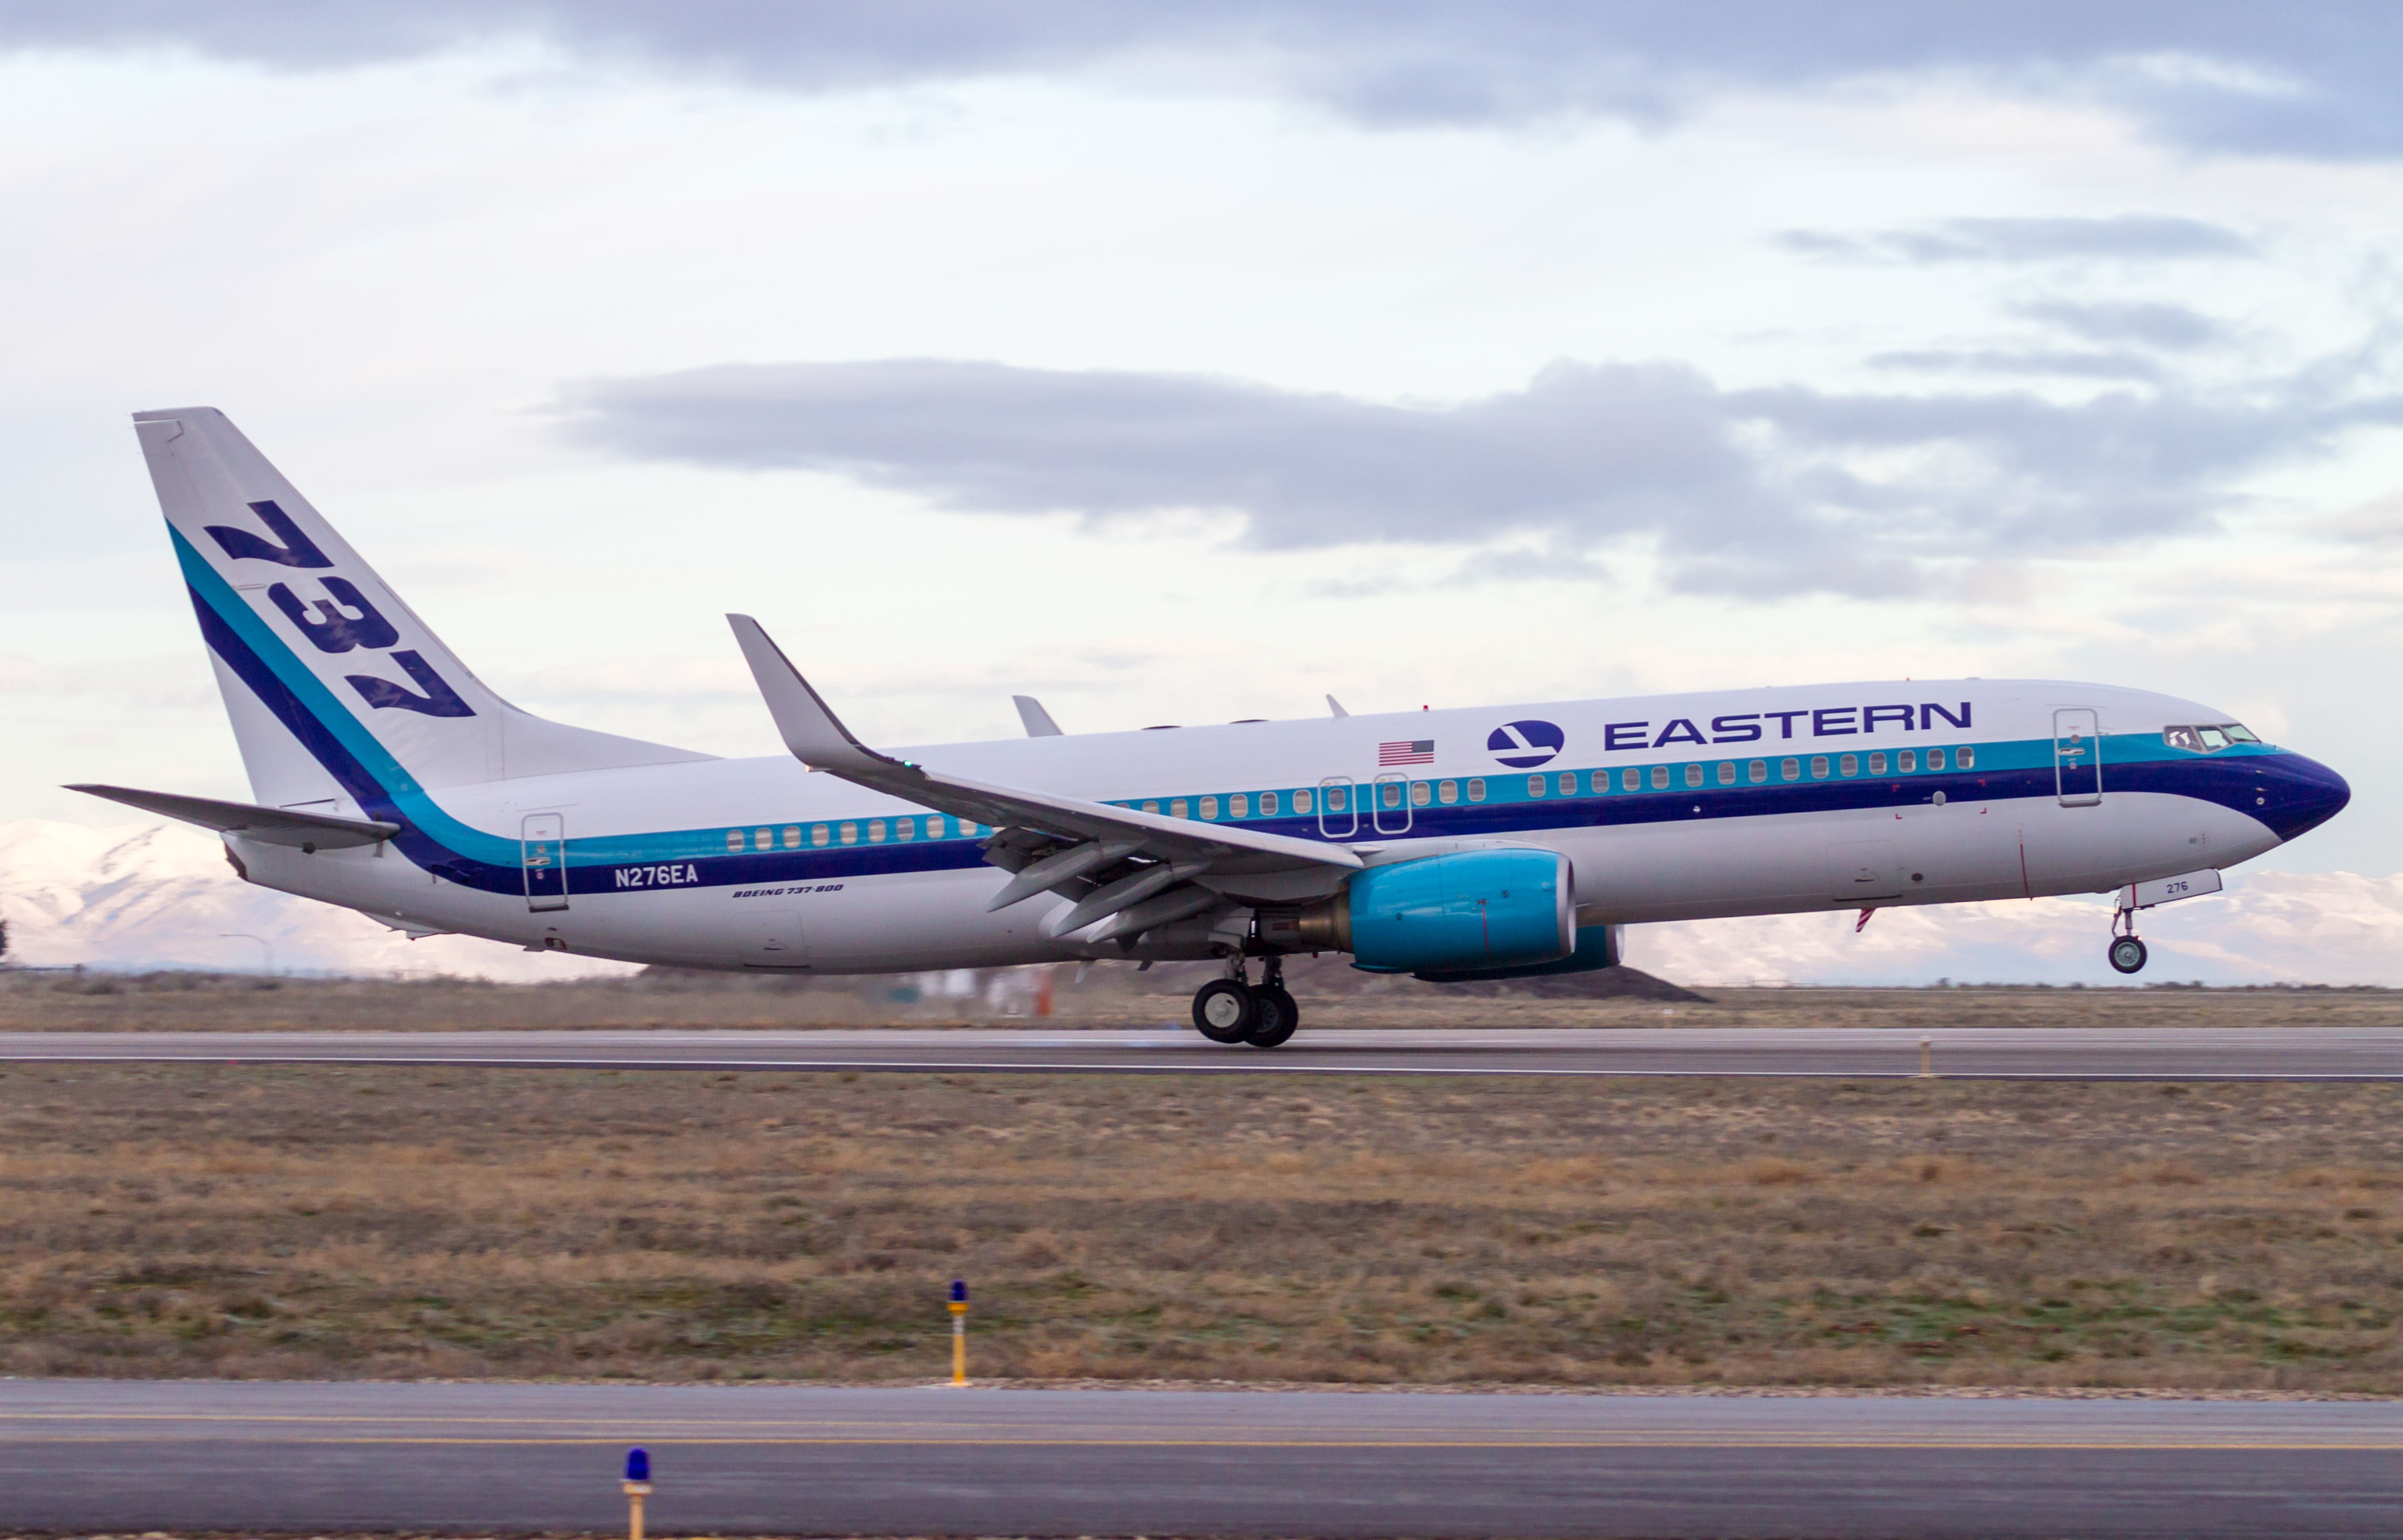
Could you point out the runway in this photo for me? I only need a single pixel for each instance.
(121, 1456)
(2269, 1053)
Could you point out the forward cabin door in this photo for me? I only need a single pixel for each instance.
(1390, 813)
(2077, 756)
(542, 848)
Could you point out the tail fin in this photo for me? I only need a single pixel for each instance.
(335, 686)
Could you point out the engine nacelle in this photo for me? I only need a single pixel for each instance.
(1488, 909)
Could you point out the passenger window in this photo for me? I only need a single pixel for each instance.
(1757, 771)
(1476, 788)
(1877, 764)
(1568, 782)
(734, 841)
(1209, 807)
(1934, 760)
(1790, 769)
(792, 837)
(1335, 800)
(1601, 782)
(1660, 778)
(1151, 807)
(1390, 793)
(763, 839)
(817, 834)
(1419, 795)
(1849, 764)
(1269, 802)
(1447, 792)
(1693, 775)
(1818, 766)
(851, 834)
(1909, 761)
(1630, 778)
(1534, 785)
(1301, 800)
(1965, 757)
(1177, 808)
(969, 830)
(1239, 806)
(876, 831)
(1727, 776)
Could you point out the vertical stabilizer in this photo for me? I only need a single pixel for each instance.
(331, 681)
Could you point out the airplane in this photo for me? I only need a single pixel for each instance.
(1471, 843)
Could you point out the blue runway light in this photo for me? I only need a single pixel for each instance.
(959, 1291)
(638, 1465)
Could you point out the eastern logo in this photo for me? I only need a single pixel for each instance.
(1524, 746)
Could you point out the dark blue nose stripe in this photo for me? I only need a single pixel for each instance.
(2295, 795)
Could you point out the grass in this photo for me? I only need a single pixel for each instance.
(288, 1222)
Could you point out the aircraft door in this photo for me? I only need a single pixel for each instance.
(1390, 811)
(1339, 808)
(542, 850)
(2077, 756)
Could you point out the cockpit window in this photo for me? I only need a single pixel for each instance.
(2209, 737)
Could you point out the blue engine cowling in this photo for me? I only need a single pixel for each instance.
(1494, 909)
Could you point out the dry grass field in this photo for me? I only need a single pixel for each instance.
(1332, 995)
(255, 1220)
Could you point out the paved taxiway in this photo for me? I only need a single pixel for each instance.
(2297, 1053)
(130, 1456)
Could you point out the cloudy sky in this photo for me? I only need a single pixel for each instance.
(1177, 363)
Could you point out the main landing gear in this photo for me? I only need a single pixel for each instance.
(1233, 1009)
(2127, 952)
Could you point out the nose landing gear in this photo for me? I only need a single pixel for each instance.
(1233, 1010)
(2127, 952)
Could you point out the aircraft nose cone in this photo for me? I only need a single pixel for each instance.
(2296, 795)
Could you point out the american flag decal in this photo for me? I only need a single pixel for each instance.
(1410, 750)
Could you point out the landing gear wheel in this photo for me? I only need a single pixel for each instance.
(1279, 1016)
(1225, 1010)
(2128, 954)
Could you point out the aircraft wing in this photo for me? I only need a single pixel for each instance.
(275, 825)
(821, 742)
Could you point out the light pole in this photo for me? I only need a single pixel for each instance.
(267, 952)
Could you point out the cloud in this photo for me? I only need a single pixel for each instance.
(2127, 237)
(2171, 329)
(2055, 363)
(1761, 491)
(2314, 81)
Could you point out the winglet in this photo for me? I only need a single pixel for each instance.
(1336, 707)
(1038, 721)
(810, 729)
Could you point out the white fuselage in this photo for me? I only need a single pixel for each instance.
(745, 863)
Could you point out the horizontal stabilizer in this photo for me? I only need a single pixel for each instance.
(275, 825)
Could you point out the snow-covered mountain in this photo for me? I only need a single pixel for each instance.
(143, 896)
(147, 896)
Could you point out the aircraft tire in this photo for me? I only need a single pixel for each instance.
(2128, 954)
(1225, 1010)
(1279, 1016)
